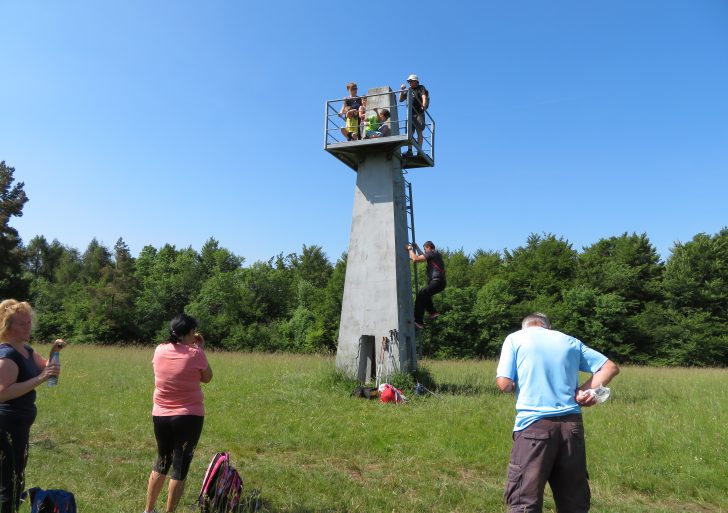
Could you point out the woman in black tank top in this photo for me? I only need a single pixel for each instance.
(350, 112)
(21, 371)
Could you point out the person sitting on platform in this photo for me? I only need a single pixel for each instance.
(377, 124)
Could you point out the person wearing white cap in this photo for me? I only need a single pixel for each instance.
(420, 102)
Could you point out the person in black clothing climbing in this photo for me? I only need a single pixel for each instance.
(435, 281)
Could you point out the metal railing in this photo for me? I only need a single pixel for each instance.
(400, 123)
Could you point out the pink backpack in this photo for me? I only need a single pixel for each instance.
(222, 486)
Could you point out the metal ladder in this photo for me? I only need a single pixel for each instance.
(410, 210)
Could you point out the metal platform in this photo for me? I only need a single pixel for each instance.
(403, 136)
(352, 153)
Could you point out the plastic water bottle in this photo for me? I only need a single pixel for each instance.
(600, 393)
(55, 357)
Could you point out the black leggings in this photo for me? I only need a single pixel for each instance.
(14, 437)
(177, 437)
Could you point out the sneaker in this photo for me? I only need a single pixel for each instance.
(419, 325)
(434, 315)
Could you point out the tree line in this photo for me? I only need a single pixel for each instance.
(616, 294)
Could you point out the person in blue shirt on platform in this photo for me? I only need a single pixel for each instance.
(542, 365)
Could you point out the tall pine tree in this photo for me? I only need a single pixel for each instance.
(12, 200)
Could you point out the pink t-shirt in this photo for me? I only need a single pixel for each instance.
(177, 374)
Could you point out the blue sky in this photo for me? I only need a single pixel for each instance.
(178, 121)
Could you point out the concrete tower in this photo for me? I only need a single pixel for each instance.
(377, 333)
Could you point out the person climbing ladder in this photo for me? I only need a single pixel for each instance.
(435, 280)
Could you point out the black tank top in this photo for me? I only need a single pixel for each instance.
(435, 266)
(353, 103)
(23, 407)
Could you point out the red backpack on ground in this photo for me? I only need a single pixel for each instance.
(389, 394)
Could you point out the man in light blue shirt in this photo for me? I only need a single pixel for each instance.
(542, 365)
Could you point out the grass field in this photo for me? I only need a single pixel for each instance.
(659, 445)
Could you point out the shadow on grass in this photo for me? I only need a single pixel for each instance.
(407, 381)
(264, 506)
(468, 389)
(44, 442)
(635, 398)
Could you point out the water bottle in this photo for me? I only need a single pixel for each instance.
(600, 393)
(55, 357)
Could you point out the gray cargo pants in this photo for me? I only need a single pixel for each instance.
(550, 450)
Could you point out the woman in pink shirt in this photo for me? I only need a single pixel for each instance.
(180, 365)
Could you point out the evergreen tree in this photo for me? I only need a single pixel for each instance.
(486, 266)
(223, 307)
(12, 200)
(330, 310)
(624, 272)
(691, 325)
(455, 332)
(313, 266)
(95, 263)
(42, 259)
(627, 265)
(214, 259)
(168, 279)
(696, 275)
(542, 268)
(122, 290)
(457, 267)
(494, 314)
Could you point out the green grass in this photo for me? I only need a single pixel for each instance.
(659, 445)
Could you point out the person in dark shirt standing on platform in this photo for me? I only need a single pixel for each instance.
(435, 281)
(420, 102)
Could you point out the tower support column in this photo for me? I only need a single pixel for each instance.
(377, 302)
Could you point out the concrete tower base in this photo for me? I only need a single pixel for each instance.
(376, 333)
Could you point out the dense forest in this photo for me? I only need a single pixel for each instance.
(616, 294)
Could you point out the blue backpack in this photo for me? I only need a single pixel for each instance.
(51, 501)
